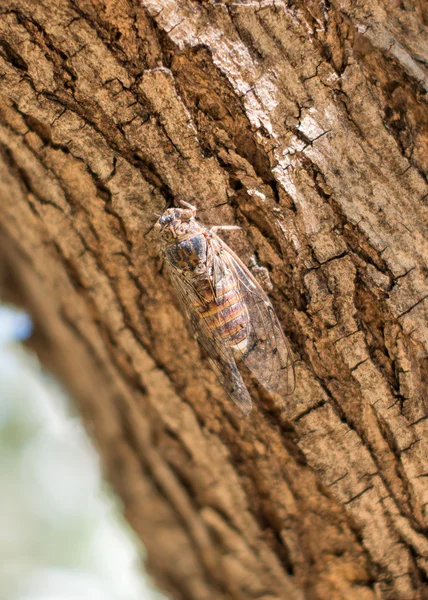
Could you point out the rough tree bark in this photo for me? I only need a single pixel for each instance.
(305, 123)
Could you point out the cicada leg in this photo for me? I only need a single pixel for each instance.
(224, 228)
(188, 205)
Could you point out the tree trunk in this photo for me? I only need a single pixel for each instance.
(306, 124)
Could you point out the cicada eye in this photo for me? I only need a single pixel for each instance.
(186, 214)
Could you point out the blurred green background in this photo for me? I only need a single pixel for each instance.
(62, 536)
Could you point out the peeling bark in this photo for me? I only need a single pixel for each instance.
(306, 124)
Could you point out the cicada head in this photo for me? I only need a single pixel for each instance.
(176, 223)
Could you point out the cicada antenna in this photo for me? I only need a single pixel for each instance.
(150, 229)
(200, 210)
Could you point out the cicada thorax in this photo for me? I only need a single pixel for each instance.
(217, 299)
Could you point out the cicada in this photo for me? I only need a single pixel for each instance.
(230, 313)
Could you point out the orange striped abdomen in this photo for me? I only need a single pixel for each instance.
(226, 316)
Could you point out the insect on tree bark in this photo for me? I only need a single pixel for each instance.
(229, 311)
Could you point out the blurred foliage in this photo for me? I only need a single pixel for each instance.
(61, 533)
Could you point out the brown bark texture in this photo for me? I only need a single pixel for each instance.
(305, 123)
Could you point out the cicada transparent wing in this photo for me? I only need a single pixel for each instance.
(267, 354)
(220, 356)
